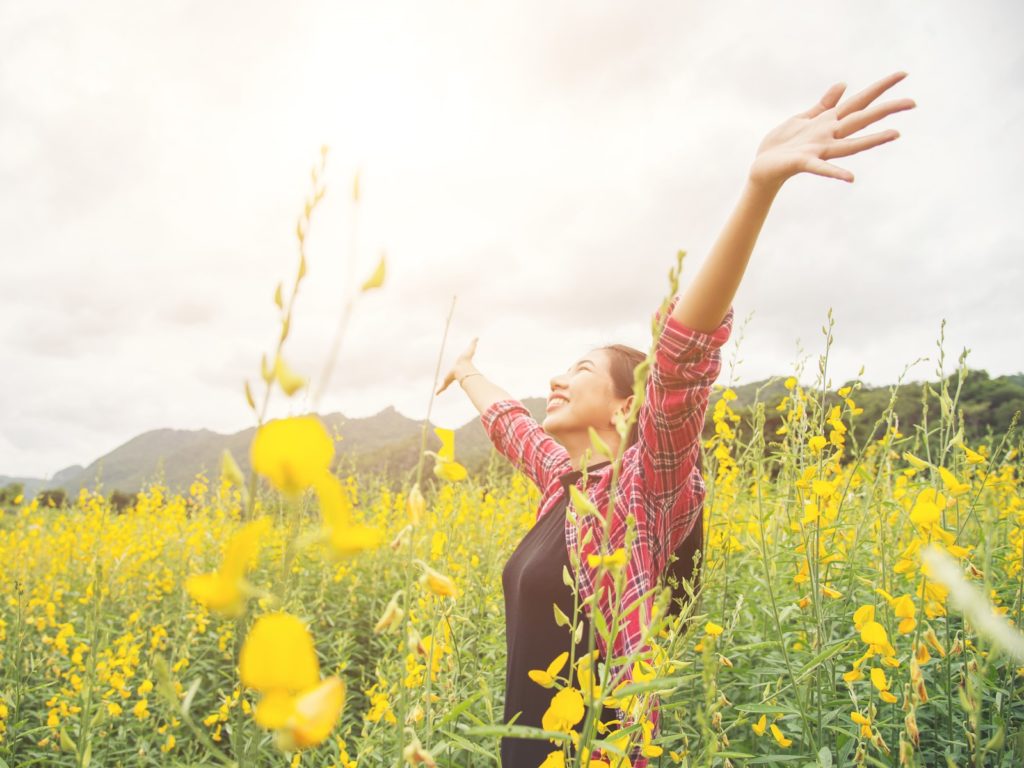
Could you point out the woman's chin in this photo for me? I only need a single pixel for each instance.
(550, 423)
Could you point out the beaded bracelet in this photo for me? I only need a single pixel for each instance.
(467, 376)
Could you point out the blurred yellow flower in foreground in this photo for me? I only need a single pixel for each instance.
(225, 590)
(289, 381)
(292, 453)
(344, 536)
(278, 660)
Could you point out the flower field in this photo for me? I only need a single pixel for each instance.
(858, 605)
(193, 630)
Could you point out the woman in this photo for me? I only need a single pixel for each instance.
(660, 479)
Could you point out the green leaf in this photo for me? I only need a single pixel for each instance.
(189, 695)
(581, 502)
(461, 707)
(822, 657)
(825, 757)
(518, 731)
(664, 683)
(768, 708)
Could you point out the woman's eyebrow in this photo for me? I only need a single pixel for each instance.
(581, 362)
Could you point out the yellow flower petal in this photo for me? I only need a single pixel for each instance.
(874, 633)
(376, 280)
(292, 453)
(316, 711)
(782, 740)
(564, 712)
(760, 726)
(278, 654)
(274, 709)
(713, 629)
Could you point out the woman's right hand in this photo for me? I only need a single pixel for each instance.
(463, 365)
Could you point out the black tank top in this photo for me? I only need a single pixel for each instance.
(532, 581)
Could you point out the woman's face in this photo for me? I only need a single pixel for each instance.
(581, 397)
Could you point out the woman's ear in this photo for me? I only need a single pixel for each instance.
(622, 409)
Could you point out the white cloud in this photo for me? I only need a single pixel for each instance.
(542, 163)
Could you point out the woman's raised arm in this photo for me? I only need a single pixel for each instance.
(803, 143)
(688, 357)
(511, 428)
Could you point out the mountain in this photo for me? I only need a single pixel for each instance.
(387, 443)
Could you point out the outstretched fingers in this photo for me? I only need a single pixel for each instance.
(844, 147)
(860, 100)
(829, 100)
(853, 123)
(821, 168)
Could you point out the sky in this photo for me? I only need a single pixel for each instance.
(537, 164)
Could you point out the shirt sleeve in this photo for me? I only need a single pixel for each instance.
(520, 439)
(671, 419)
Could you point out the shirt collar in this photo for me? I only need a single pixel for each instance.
(569, 478)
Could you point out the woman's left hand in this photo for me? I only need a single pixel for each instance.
(805, 141)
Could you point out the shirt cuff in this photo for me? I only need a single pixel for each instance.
(492, 412)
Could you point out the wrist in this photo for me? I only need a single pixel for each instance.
(761, 186)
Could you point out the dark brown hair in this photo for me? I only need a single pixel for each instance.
(622, 359)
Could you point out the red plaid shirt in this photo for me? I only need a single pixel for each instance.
(660, 480)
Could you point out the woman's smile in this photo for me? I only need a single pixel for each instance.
(555, 401)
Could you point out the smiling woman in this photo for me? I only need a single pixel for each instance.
(660, 486)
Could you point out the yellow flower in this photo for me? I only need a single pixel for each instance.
(973, 457)
(927, 509)
(391, 616)
(546, 677)
(817, 443)
(915, 461)
(289, 381)
(777, 733)
(903, 607)
(344, 536)
(811, 513)
(862, 616)
(278, 656)
(278, 660)
(316, 712)
(874, 633)
(225, 590)
(880, 682)
(565, 710)
(554, 760)
(863, 722)
(445, 466)
(141, 709)
(954, 486)
(292, 453)
(822, 488)
(613, 561)
(437, 582)
(713, 629)
(760, 725)
(376, 280)
(790, 382)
